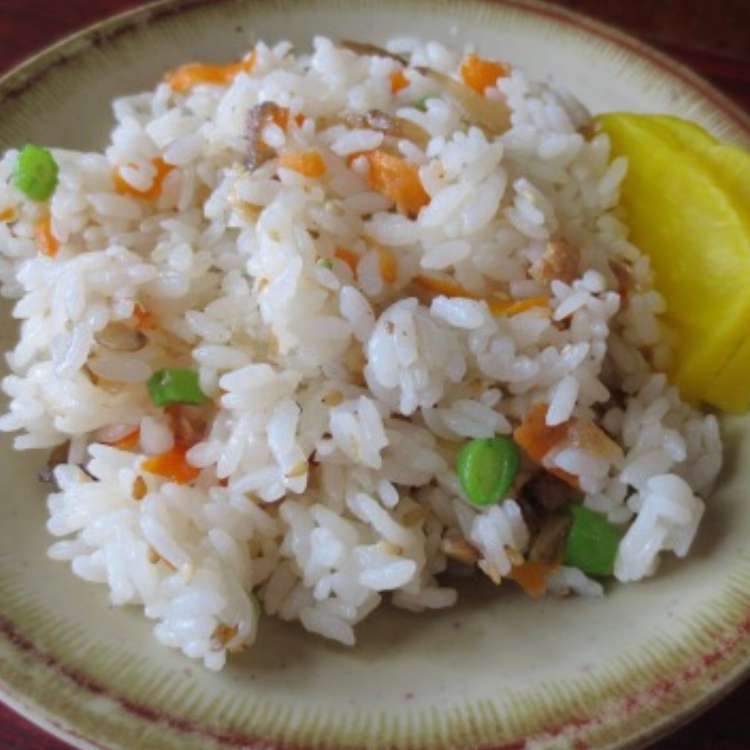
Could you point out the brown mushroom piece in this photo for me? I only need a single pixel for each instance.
(560, 262)
(375, 119)
(118, 337)
(58, 455)
(259, 152)
(491, 115)
(547, 493)
(547, 546)
(365, 48)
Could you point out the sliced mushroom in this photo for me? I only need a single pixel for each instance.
(258, 117)
(365, 48)
(375, 119)
(559, 262)
(59, 455)
(189, 423)
(547, 547)
(118, 337)
(547, 493)
(491, 115)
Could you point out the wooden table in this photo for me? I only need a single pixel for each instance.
(711, 36)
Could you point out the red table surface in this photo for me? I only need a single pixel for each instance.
(711, 36)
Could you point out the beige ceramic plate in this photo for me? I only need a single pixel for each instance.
(499, 671)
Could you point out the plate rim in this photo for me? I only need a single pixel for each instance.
(26, 73)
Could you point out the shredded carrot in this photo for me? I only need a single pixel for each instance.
(45, 240)
(307, 163)
(478, 73)
(497, 305)
(143, 319)
(185, 77)
(398, 81)
(397, 179)
(7, 214)
(532, 577)
(443, 285)
(162, 170)
(509, 307)
(388, 264)
(537, 438)
(172, 465)
(349, 257)
(130, 441)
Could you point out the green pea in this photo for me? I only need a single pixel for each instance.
(486, 468)
(592, 542)
(35, 173)
(175, 386)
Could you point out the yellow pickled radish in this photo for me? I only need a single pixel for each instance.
(729, 164)
(687, 208)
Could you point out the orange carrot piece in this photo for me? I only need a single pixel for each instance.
(7, 214)
(349, 257)
(45, 240)
(182, 79)
(397, 179)
(281, 117)
(162, 170)
(537, 439)
(307, 163)
(172, 465)
(387, 264)
(514, 307)
(398, 81)
(532, 577)
(478, 73)
(130, 442)
(143, 319)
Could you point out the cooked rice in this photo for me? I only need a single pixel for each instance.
(341, 394)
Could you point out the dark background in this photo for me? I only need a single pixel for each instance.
(710, 36)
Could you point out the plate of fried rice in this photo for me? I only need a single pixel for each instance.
(339, 408)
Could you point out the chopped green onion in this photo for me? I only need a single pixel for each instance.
(175, 386)
(35, 173)
(421, 104)
(486, 468)
(326, 263)
(592, 542)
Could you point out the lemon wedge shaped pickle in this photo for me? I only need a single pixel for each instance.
(687, 200)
